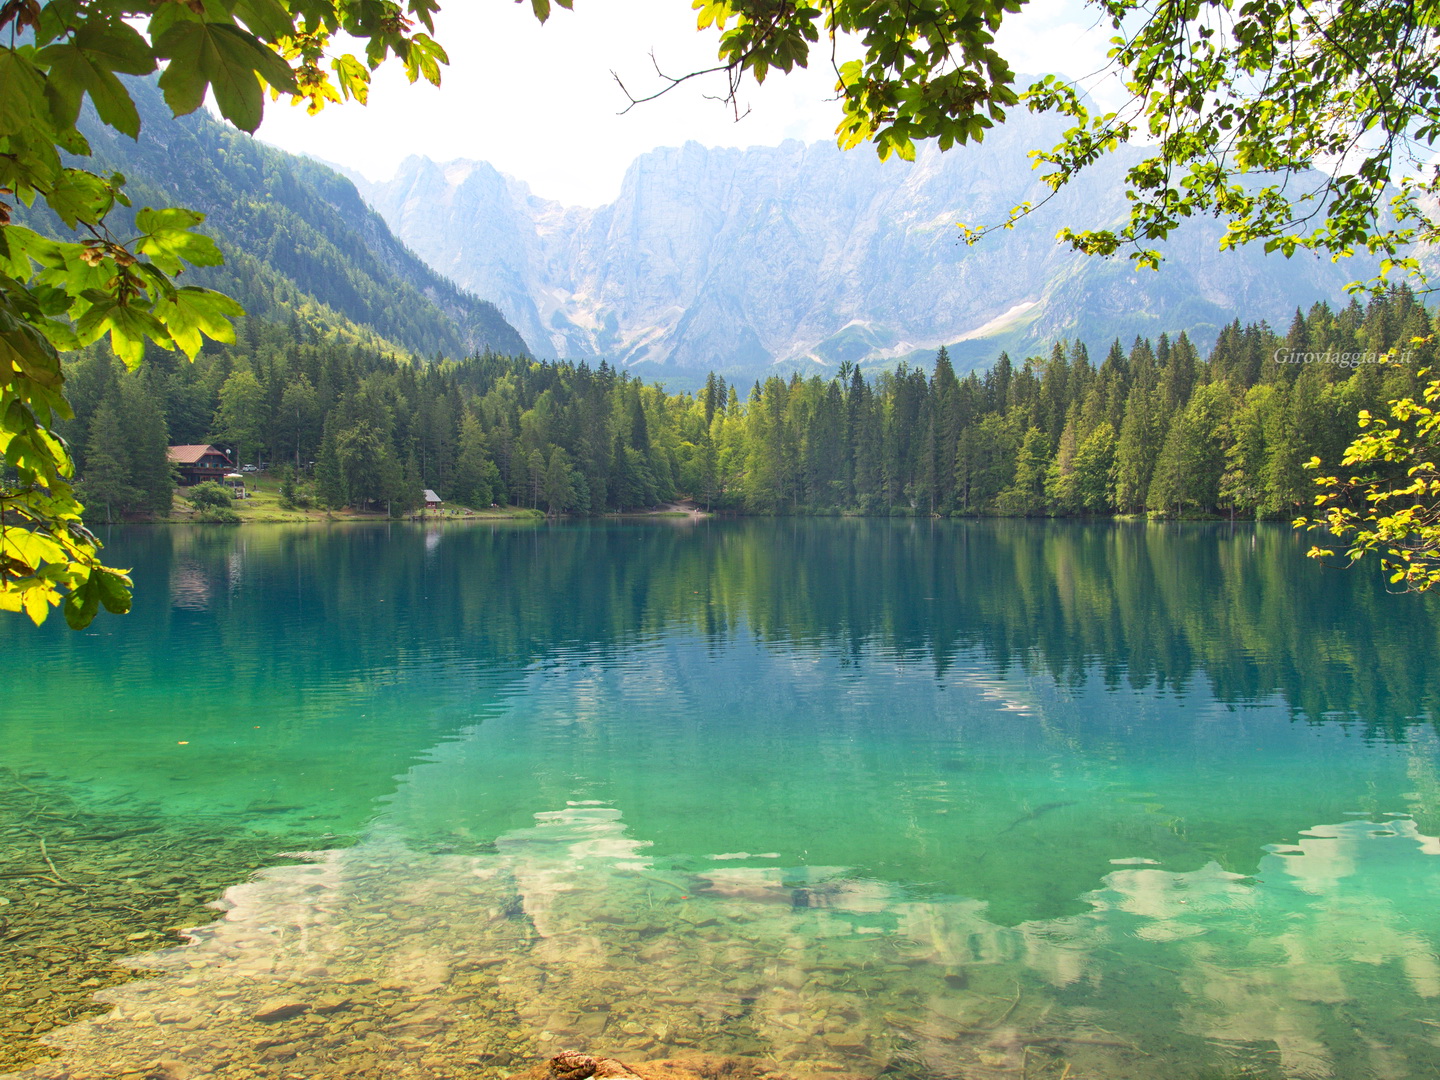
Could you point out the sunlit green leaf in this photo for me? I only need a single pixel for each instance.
(193, 312)
(114, 590)
(80, 196)
(22, 93)
(169, 239)
(229, 60)
(268, 19)
(82, 605)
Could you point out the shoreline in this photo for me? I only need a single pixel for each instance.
(263, 506)
(276, 516)
(265, 510)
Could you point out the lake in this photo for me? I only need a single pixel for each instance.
(905, 798)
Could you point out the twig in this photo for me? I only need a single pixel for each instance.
(1006, 1015)
(662, 881)
(59, 878)
(48, 862)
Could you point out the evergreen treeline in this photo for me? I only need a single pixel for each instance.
(1154, 427)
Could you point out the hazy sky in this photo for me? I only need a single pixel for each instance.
(539, 102)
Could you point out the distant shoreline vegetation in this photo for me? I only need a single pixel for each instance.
(1150, 429)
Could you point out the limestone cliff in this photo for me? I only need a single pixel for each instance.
(804, 255)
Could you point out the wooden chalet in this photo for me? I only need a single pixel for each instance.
(196, 464)
(432, 501)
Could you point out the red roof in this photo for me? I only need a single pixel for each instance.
(190, 455)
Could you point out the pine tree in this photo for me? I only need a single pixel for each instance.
(557, 490)
(475, 474)
(1027, 494)
(295, 420)
(946, 420)
(147, 443)
(535, 475)
(1138, 448)
(1094, 463)
(1192, 461)
(240, 418)
(1242, 486)
(106, 487)
(1060, 475)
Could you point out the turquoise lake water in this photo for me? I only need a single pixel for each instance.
(912, 799)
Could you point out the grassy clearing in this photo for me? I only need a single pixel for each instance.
(264, 507)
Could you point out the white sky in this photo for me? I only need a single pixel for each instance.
(539, 103)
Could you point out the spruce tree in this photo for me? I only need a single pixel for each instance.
(147, 444)
(106, 486)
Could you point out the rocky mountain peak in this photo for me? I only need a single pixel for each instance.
(804, 255)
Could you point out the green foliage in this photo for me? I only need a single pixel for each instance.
(122, 435)
(1187, 473)
(559, 489)
(1094, 461)
(241, 416)
(1327, 152)
(929, 68)
(1390, 504)
(1221, 142)
(477, 478)
(211, 496)
(1026, 494)
(297, 421)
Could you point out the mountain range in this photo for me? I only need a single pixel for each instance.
(737, 261)
(804, 255)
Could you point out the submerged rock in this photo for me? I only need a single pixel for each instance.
(280, 1009)
(576, 1065)
(573, 1065)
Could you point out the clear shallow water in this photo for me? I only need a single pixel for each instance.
(927, 800)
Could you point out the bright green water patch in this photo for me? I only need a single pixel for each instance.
(981, 799)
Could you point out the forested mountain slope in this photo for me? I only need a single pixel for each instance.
(298, 239)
